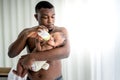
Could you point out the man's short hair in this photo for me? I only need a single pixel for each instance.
(43, 4)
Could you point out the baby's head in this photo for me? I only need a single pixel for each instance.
(57, 39)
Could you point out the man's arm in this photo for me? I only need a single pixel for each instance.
(19, 44)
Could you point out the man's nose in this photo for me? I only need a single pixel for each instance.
(50, 20)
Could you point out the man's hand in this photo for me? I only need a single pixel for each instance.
(29, 32)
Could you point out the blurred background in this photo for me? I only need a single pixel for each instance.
(94, 31)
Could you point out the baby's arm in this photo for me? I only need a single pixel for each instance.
(46, 47)
(37, 44)
(42, 45)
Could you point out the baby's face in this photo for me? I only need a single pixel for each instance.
(56, 39)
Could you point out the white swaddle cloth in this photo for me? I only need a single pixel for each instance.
(37, 65)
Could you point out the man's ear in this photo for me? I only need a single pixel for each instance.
(36, 16)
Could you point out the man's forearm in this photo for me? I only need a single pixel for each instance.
(16, 47)
(49, 56)
(53, 54)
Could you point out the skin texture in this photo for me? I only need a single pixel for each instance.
(27, 38)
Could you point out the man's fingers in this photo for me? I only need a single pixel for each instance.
(32, 34)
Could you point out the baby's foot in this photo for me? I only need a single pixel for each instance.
(15, 72)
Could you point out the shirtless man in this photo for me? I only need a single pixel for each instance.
(56, 39)
(45, 15)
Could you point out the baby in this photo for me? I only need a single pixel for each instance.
(43, 42)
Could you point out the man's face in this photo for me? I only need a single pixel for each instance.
(46, 17)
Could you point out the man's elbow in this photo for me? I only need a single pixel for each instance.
(67, 53)
(11, 54)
